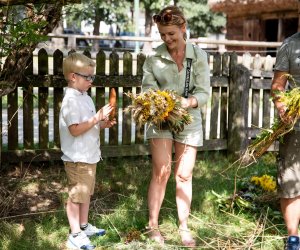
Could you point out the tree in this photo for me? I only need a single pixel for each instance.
(150, 7)
(201, 20)
(22, 28)
(95, 11)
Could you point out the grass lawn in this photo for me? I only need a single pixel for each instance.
(33, 217)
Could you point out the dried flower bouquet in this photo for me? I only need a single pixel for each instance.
(161, 108)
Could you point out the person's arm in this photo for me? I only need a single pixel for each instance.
(80, 128)
(148, 81)
(279, 84)
(200, 94)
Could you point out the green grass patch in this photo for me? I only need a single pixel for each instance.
(120, 206)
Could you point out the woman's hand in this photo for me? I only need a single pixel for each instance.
(190, 102)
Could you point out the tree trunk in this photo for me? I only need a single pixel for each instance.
(16, 61)
(96, 30)
(148, 28)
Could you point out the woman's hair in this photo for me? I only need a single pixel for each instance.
(170, 15)
(75, 62)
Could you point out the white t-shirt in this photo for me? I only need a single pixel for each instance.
(76, 108)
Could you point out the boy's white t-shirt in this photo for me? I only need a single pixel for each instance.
(76, 108)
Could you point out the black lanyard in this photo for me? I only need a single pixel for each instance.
(187, 77)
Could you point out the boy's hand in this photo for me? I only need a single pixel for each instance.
(103, 113)
(107, 123)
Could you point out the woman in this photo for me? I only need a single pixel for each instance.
(168, 68)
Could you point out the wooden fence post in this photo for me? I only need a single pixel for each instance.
(238, 109)
(58, 94)
(114, 71)
(43, 94)
(100, 91)
(1, 125)
(126, 124)
(28, 134)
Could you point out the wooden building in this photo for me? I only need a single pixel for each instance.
(258, 20)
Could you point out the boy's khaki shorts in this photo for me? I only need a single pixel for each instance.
(81, 180)
(288, 176)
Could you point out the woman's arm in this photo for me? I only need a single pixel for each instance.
(202, 82)
(149, 81)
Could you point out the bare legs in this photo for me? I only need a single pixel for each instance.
(161, 169)
(185, 157)
(77, 214)
(291, 213)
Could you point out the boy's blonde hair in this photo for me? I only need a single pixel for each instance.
(75, 62)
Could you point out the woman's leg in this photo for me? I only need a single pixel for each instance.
(185, 157)
(161, 150)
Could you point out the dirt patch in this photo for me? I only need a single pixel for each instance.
(31, 189)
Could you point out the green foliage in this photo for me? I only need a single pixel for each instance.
(201, 20)
(25, 32)
(18, 30)
(255, 189)
(111, 11)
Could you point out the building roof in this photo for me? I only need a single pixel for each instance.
(252, 7)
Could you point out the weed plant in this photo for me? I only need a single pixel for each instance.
(120, 206)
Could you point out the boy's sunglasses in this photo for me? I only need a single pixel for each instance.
(165, 18)
(88, 78)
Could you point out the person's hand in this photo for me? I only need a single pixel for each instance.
(103, 113)
(107, 123)
(190, 102)
(283, 115)
(184, 102)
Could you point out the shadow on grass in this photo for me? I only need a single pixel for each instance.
(212, 172)
(120, 206)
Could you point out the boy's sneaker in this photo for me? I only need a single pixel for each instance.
(81, 241)
(91, 230)
(292, 243)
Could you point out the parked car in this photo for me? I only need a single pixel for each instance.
(80, 42)
(104, 44)
(128, 45)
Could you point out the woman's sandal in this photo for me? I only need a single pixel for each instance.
(155, 235)
(187, 238)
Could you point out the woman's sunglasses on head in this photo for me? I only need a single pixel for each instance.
(165, 18)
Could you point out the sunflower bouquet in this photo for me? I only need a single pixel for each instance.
(291, 99)
(161, 108)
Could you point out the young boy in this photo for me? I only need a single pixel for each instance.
(79, 126)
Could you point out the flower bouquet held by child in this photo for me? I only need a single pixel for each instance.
(161, 108)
